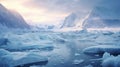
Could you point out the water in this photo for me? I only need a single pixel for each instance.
(65, 53)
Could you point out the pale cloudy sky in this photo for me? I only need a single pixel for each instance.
(47, 11)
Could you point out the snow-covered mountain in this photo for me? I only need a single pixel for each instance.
(73, 20)
(105, 14)
(11, 19)
(69, 20)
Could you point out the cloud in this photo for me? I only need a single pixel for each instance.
(63, 5)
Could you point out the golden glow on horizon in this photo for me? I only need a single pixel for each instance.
(33, 15)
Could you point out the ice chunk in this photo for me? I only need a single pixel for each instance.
(30, 59)
(78, 61)
(100, 49)
(105, 40)
(5, 58)
(28, 47)
(6, 61)
(77, 54)
(3, 41)
(106, 55)
(107, 32)
(89, 66)
(4, 52)
(111, 61)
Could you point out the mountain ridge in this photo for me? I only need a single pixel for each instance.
(11, 19)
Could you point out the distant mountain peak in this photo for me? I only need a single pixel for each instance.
(68, 22)
(105, 15)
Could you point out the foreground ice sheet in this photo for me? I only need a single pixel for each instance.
(23, 59)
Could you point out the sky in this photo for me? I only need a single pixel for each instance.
(47, 11)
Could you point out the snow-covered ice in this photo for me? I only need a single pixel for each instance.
(78, 61)
(89, 66)
(101, 49)
(110, 60)
(20, 58)
(58, 49)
